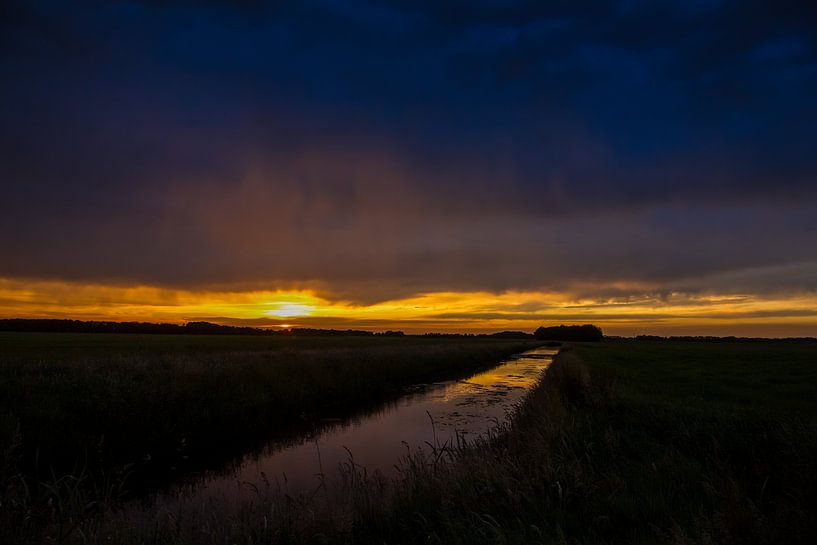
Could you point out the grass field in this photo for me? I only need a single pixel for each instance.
(622, 442)
(101, 401)
(772, 378)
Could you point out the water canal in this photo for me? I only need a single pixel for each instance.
(426, 417)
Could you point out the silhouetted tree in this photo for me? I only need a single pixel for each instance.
(586, 332)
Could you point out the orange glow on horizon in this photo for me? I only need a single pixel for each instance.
(719, 314)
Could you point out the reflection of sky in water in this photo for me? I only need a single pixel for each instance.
(377, 442)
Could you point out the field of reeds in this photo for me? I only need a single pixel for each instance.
(128, 412)
(622, 442)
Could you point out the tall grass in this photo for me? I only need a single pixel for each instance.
(112, 419)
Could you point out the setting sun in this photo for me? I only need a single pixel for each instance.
(288, 310)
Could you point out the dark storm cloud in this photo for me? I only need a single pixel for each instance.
(388, 148)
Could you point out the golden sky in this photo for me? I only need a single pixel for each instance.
(475, 311)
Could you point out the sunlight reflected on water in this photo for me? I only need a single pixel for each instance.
(377, 442)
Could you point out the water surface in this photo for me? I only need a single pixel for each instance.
(427, 415)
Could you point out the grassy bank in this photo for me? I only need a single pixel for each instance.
(634, 443)
(74, 402)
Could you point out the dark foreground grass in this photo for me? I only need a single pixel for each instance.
(621, 443)
(109, 406)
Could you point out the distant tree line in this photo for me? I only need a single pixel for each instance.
(578, 333)
(208, 328)
(575, 333)
(509, 335)
(190, 328)
(447, 335)
(497, 335)
(712, 339)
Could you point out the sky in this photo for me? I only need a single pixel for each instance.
(650, 167)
